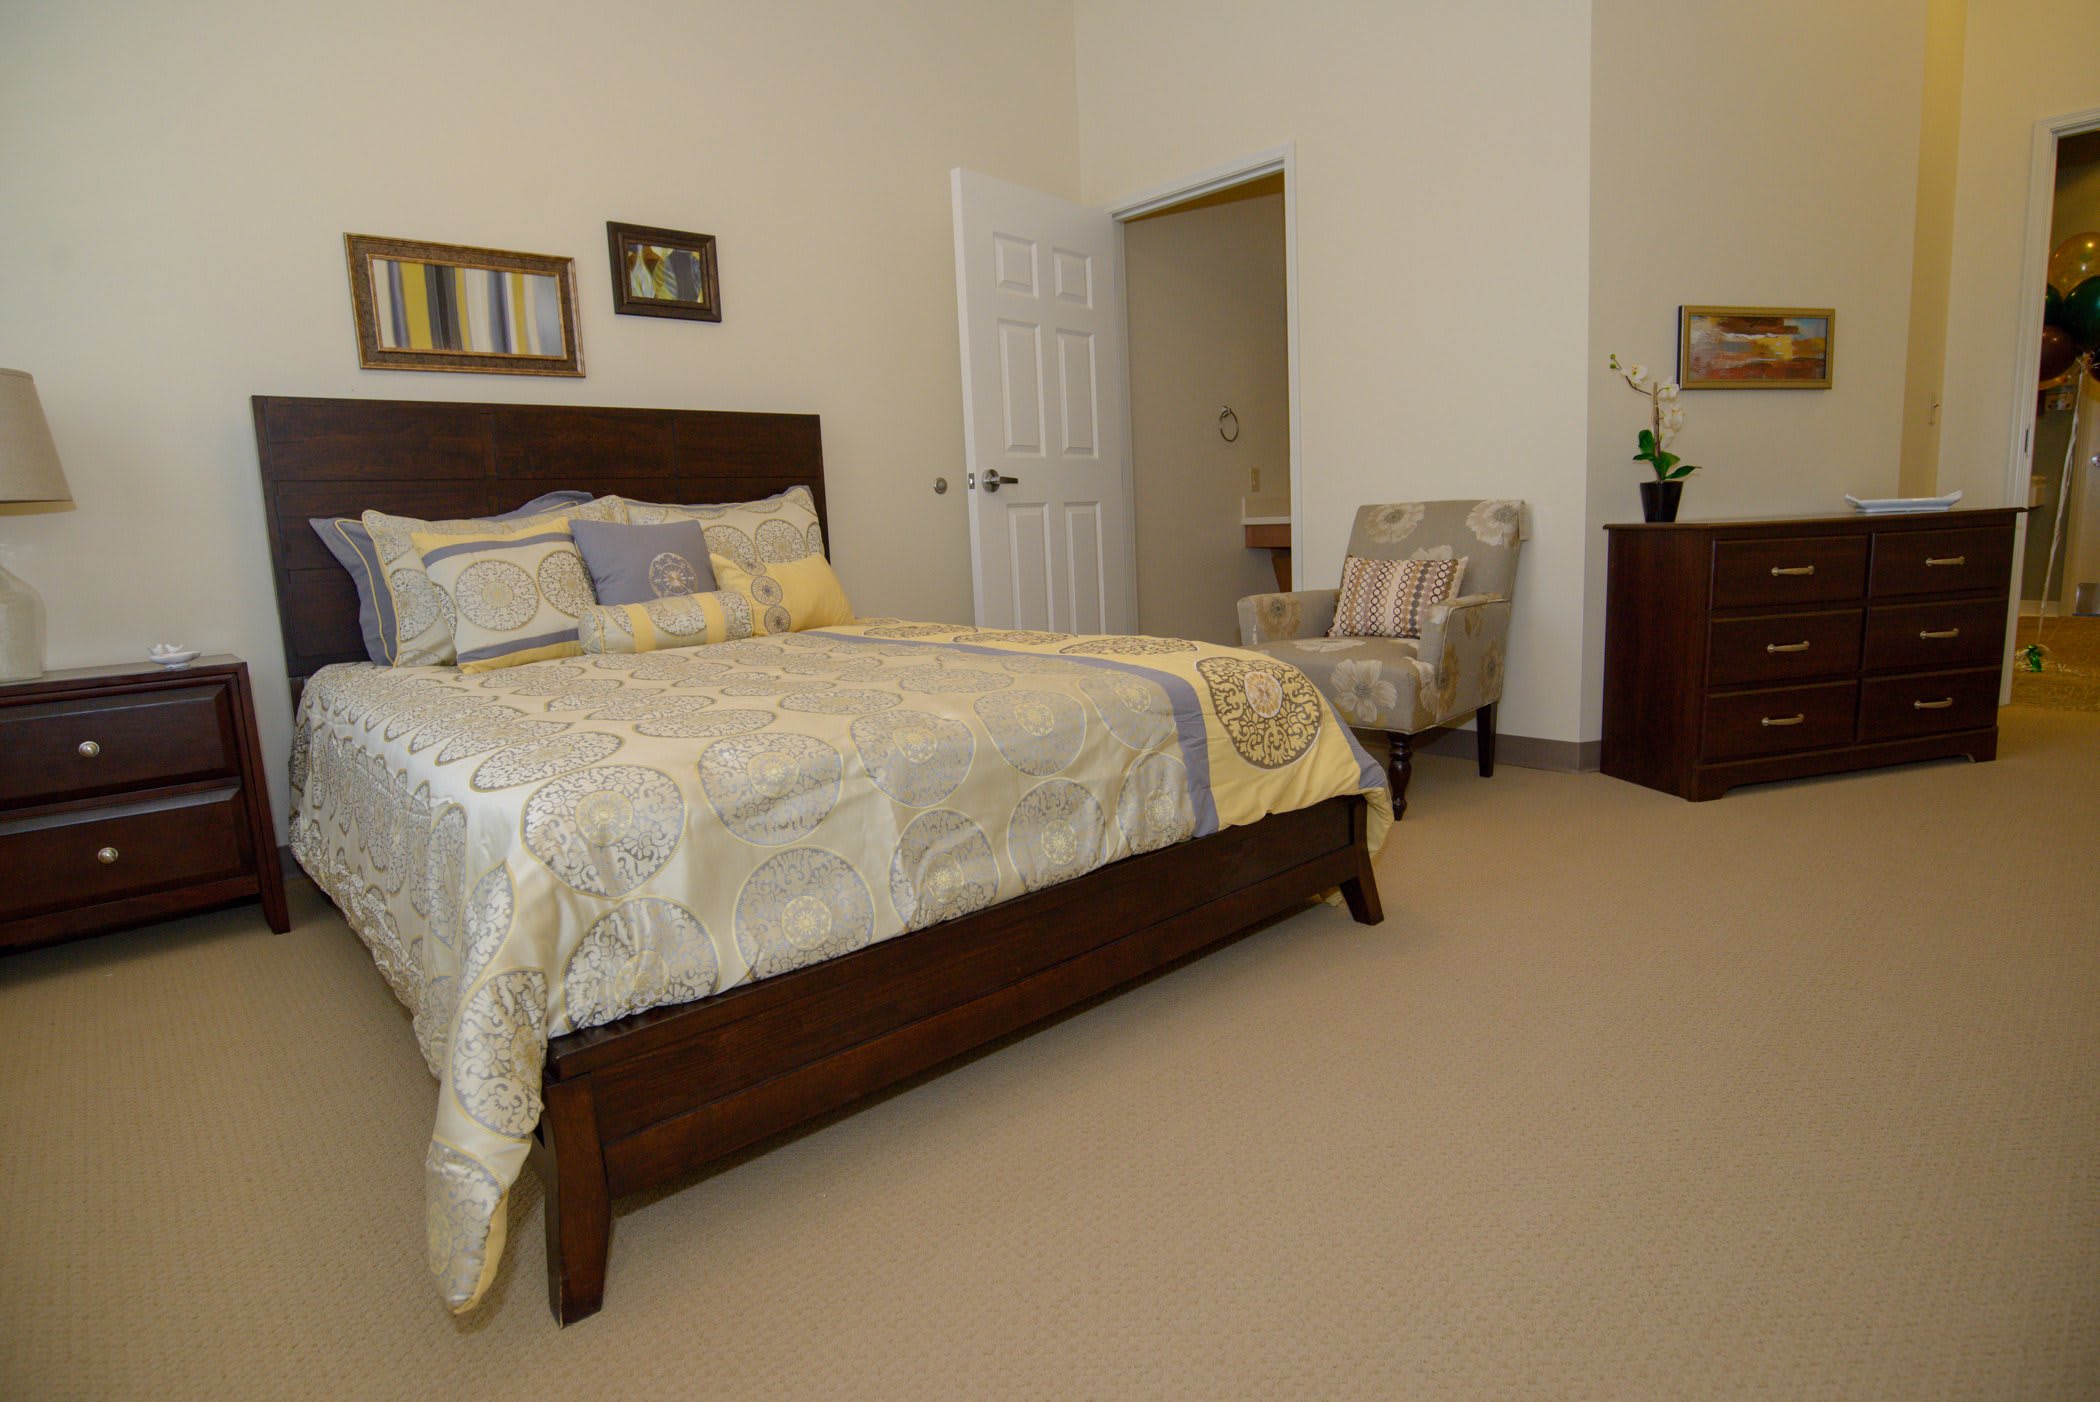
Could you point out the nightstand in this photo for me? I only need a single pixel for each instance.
(131, 794)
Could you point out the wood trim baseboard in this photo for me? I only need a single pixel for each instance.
(1524, 751)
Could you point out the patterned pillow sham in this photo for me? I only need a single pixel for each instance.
(1390, 598)
(684, 620)
(424, 611)
(351, 544)
(770, 531)
(514, 598)
(788, 598)
(632, 564)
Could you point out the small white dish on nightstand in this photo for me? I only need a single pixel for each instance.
(172, 654)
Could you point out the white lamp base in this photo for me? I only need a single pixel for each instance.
(21, 630)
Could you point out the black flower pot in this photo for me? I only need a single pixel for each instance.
(1659, 500)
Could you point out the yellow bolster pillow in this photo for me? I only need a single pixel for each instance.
(683, 620)
(789, 597)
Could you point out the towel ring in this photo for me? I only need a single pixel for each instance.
(1224, 414)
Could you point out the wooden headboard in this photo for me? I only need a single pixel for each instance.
(339, 457)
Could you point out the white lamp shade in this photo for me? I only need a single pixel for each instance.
(29, 469)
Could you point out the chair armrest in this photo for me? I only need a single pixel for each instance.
(1463, 640)
(1271, 618)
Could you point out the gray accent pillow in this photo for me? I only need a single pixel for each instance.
(634, 564)
(351, 544)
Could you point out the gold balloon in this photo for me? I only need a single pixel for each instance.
(2075, 260)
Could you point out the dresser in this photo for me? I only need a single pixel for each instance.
(1737, 652)
(131, 794)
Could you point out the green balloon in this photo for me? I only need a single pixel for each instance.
(2052, 306)
(2082, 311)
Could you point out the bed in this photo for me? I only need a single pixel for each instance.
(620, 1009)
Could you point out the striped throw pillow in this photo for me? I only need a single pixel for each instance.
(512, 598)
(1389, 598)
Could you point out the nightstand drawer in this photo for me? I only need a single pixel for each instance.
(1804, 570)
(1891, 708)
(75, 748)
(101, 854)
(1964, 633)
(1781, 647)
(1744, 724)
(1942, 562)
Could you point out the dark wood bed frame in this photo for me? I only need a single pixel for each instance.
(646, 1100)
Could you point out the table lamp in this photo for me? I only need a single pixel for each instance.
(29, 472)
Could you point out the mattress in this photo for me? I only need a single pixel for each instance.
(559, 845)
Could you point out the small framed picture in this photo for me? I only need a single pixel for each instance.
(663, 272)
(442, 306)
(1755, 347)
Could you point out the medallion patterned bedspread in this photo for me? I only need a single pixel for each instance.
(562, 844)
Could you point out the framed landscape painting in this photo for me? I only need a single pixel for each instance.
(1755, 347)
(664, 272)
(442, 306)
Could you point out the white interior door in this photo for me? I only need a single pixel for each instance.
(1039, 291)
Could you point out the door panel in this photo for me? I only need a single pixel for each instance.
(1040, 311)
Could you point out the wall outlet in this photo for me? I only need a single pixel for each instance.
(1253, 479)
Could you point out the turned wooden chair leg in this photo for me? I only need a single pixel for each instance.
(1484, 739)
(1399, 767)
(579, 1208)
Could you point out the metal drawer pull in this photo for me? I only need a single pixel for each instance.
(89, 749)
(1795, 719)
(1939, 633)
(1940, 705)
(1786, 647)
(107, 856)
(1947, 560)
(1778, 570)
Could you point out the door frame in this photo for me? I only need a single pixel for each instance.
(2034, 274)
(1276, 160)
(2026, 370)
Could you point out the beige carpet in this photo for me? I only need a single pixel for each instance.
(1793, 1095)
(2070, 675)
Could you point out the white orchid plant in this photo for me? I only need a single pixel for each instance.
(1665, 418)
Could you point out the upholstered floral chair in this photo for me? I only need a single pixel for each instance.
(1404, 686)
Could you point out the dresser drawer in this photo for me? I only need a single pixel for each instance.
(1910, 637)
(1942, 562)
(56, 750)
(1800, 570)
(1745, 724)
(149, 846)
(1891, 708)
(1782, 647)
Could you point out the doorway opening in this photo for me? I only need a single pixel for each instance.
(2056, 659)
(1044, 328)
(1207, 308)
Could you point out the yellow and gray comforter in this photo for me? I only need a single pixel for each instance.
(565, 843)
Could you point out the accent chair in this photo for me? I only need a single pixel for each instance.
(1405, 686)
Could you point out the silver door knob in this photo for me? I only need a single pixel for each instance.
(89, 749)
(993, 481)
(107, 856)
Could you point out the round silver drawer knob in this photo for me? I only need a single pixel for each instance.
(89, 749)
(106, 856)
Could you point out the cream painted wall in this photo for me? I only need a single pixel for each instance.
(1939, 143)
(1442, 254)
(2026, 61)
(1205, 297)
(178, 180)
(1743, 155)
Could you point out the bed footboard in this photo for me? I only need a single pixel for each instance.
(642, 1101)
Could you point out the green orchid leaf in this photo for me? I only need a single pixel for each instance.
(1647, 442)
(1687, 470)
(1665, 461)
